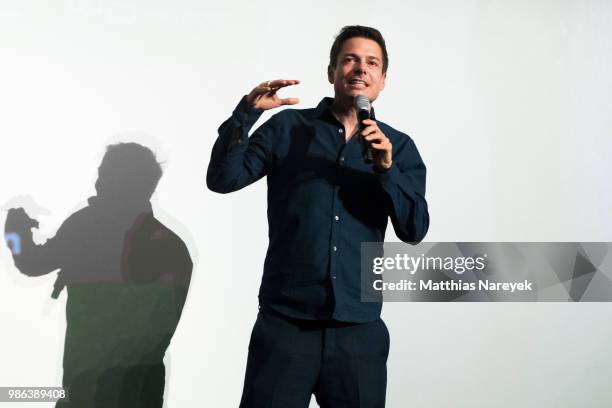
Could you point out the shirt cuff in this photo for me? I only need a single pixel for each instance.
(245, 114)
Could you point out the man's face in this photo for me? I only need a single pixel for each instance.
(359, 69)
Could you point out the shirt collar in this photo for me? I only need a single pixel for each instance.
(324, 107)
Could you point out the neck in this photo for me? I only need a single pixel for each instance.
(345, 112)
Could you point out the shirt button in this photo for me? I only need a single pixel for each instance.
(340, 131)
(335, 249)
(336, 217)
(334, 277)
(342, 159)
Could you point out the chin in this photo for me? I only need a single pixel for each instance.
(355, 92)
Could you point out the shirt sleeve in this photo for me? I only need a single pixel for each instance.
(238, 160)
(404, 183)
(38, 260)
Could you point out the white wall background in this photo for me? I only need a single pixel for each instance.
(508, 101)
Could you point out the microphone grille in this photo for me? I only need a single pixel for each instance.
(362, 103)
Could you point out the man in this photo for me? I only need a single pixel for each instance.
(127, 277)
(313, 334)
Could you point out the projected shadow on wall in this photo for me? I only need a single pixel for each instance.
(126, 277)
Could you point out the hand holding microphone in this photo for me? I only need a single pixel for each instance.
(18, 230)
(363, 107)
(375, 146)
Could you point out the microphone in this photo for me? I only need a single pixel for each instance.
(363, 107)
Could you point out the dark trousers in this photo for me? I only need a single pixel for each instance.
(343, 364)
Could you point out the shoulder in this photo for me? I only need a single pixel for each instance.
(77, 221)
(291, 116)
(161, 231)
(282, 125)
(404, 148)
(151, 234)
(397, 138)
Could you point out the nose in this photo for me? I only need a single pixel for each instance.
(358, 68)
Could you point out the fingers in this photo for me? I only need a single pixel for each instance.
(380, 144)
(270, 87)
(369, 131)
(17, 220)
(264, 96)
(384, 145)
(19, 213)
(289, 101)
(376, 138)
(369, 122)
(281, 83)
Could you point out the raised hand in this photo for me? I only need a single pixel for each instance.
(17, 220)
(264, 95)
(18, 230)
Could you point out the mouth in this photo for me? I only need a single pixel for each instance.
(357, 83)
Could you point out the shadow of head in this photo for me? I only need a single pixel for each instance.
(129, 173)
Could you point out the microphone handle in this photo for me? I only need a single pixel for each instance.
(366, 149)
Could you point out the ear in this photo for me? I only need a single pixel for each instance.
(383, 81)
(330, 74)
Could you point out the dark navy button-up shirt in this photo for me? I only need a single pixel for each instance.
(323, 202)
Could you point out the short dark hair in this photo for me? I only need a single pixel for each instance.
(129, 168)
(348, 32)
